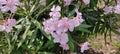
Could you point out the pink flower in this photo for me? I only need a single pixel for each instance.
(117, 9)
(2, 28)
(63, 24)
(9, 5)
(78, 18)
(11, 22)
(61, 38)
(58, 27)
(84, 47)
(71, 24)
(78, 13)
(118, 1)
(2, 2)
(8, 24)
(76, 21)
(65, 46)
(108, 9)
(50, 25)
(55, 12)
(86, 1)
(67, 2)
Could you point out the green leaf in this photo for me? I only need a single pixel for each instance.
(47, 7)
(33, 36)
(84, 26)
(49, 44)
(93, 3)
(71, 45)
(15, 36)
(84, 30)
(39, 45)
(45, 53)
(91, 18)
(24, 36)
(39, 26)
(115, 31)
(96, 28)
(2, 44)
(70, 42)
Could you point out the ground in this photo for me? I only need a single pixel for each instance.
(111, 47)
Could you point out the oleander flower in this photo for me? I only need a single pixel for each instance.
(84, 46)
(9, 5)
(7, 25)
(50, 25)
(58, 27)
(118, 2)
(61, 38)
(65, 46)
(2, 2)
(71, 23)
(76, 21)
(117, 9)
(2, 28)
(86, 1)
(55, 12)
(78, 18)
(108, 9)
(11, 22)
(63, 25)
(67, 2)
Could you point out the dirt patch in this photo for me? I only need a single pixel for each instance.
(98, 44)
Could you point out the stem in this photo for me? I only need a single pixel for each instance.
(76, 43)
(8, 40)
(37, 15)
(62, 51)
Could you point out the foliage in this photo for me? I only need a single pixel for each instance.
(28, 36)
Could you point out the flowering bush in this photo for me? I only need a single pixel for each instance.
(55, 26)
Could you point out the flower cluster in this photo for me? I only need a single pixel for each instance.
(115, 9)
(6, 25)
(9, 5)
(58, 27)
